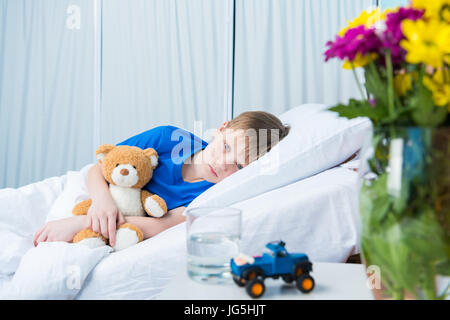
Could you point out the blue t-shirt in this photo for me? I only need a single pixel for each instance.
(173, 146)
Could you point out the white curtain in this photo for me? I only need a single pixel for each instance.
(78, 73)
(68, 85)
(163, 63)
(46, 88)
(279, 61)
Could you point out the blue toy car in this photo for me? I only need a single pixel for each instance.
(251, 271)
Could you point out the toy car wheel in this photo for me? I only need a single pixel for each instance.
(300, 269)
(239, 281)
(252, 273)
(255, 287)
(305, 283)
(288, 278)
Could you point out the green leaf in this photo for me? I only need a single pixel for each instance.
(425, 236)
(356, 108)
(377, 87)
(443, 268)
(424, 112)
(401, 202)
(375, 202)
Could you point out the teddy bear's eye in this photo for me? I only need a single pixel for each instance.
(117, 165)
(134, 167)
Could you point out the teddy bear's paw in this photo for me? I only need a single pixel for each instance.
(155, 206)
(92, 242)
(126, 236)
(89, 238)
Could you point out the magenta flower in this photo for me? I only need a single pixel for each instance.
(394, 21)
(356, 40)
(393, 34)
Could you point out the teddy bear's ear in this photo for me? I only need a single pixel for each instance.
(103, 150)
(153, 155)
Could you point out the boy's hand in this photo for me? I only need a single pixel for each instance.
(62, 230)
(106, 217)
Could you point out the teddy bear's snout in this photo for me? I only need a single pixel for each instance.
(124, 172)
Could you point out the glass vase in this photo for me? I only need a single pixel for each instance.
(405, 212)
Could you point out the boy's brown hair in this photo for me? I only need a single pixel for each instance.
(261, 126)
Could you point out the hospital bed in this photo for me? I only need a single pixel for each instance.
(309, 200)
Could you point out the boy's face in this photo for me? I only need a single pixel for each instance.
(224, 155)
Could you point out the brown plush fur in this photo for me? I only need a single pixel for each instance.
(127, 154)
(82, 208)
(132, 227)
(110, 156)
(87, 233)
(145, 194)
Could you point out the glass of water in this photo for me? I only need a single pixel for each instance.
(213, 235)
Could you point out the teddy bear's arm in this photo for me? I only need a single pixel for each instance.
(82, 208)
(154, 205)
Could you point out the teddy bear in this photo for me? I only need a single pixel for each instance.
(127, 169)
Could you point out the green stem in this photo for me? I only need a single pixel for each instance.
(358, 83)
(445, 74)
(373, 67)
(445, 294)
(428, 284)
(390, 91)
(398, 294)
(421, 74)
(390, 87)
(374, 71)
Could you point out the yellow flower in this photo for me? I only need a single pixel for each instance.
(426, 42)
(439, 85)
(445, 14)
(359, 61)
(402, 83)
(434, 9)
(366, 18)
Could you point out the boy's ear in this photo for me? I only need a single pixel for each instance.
(153, 155)
(224, 125)
(103, 150)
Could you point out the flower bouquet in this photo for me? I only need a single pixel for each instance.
(405, 165)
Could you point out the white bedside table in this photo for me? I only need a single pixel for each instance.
(333, 281)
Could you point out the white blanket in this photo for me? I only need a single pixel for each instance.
(44, 272)
(318, 216)
(53, 270)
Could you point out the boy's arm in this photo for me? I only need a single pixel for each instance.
(103, 211)
(152, 226)
(96, 183)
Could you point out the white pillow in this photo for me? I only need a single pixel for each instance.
(319, 139)
(297, 214)
(75, 191)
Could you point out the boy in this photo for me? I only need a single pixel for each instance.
(178, 180)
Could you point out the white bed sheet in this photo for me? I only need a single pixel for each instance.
(318, 215)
